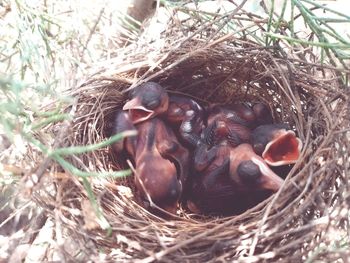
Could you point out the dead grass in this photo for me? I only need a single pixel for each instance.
(306, 220)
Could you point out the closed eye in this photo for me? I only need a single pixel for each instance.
(152, 104)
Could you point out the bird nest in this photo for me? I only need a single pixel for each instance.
(213, 67)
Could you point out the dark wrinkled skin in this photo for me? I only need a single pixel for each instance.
(155, 154)
(161, 162)
(263, 114)
(127, 146)
(184, 114)
(217, 185)
(229, 124)
(232, 124)
(187, 117)
(178, 106)
(218, 188)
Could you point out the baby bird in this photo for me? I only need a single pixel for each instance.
(277, 144)
(250, 170)
(146, 101)
(126, 147)
(161, 165)
(187, 117)
(178, 106)
(231, 180)
(228, 125)
(262, 113)
(161, 162)
(149, 100)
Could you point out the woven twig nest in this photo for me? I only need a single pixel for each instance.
(291, 224)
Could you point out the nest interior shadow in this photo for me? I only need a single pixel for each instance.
(225, 73)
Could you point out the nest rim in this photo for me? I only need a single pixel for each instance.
(238, 69)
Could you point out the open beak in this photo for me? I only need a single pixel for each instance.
(284, 149)
(138, 113)
(269, 180)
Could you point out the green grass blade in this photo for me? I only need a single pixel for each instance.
(75, 171)
(88, 148)
(326, 8)
(311, 43)
(51, 119)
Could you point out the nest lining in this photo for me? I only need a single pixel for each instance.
(290, 224)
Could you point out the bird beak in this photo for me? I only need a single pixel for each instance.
(269, 180)
(138, 113)
(284, 149)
